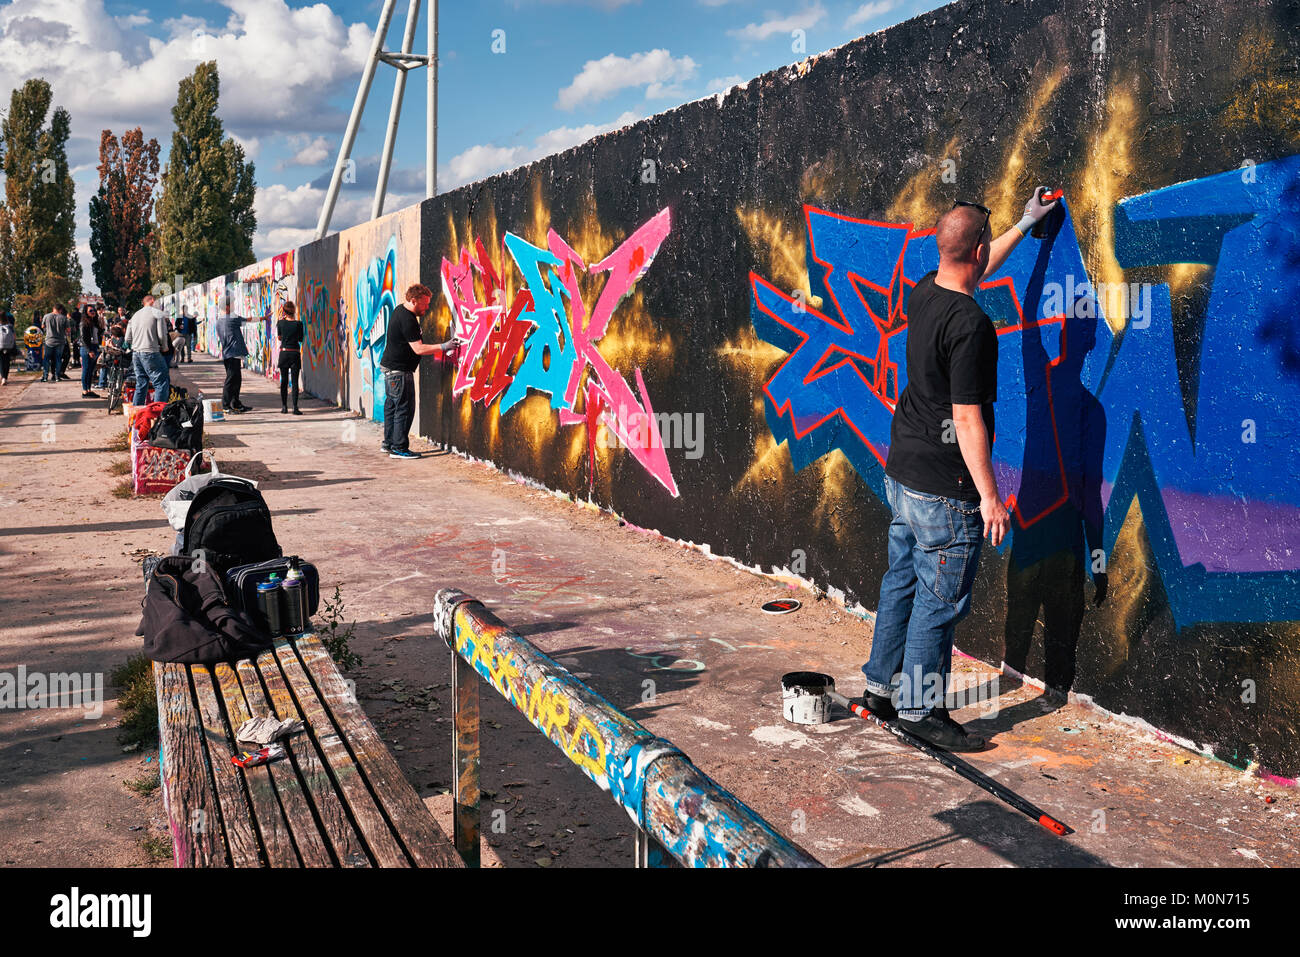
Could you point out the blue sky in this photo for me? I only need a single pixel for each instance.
(289, 70)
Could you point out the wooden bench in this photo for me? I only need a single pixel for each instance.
(337, 800)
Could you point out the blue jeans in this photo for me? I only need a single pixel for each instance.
(52, 357)
(88, 360)
(151, 369)
(399, 408)
(934, 550)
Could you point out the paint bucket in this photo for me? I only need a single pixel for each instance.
(212, 410)
(804, 698)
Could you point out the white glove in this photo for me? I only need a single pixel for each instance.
(1036, 210)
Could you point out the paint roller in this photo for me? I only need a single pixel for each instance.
(807, 696)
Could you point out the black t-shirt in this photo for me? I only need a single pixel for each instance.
(290, 333)
(403, 329)
(952, 358)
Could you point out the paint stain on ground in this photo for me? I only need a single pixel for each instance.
(776, 734)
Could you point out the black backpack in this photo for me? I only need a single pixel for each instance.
(228, 524)
(179, 426)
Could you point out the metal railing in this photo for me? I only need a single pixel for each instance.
(677, 809)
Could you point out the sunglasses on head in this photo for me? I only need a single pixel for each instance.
(982, 208)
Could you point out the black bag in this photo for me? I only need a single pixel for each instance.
(188, 619)
(229, 525)
(242, 583)
(179, 426)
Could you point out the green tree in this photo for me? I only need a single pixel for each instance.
(120, 216)
(205, 212)
(38, 256)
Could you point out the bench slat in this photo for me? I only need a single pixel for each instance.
(343, 837)
(288, 787)
(187, 785)
(428, 844)
(236, 819)
(261, 789)
(370, 821)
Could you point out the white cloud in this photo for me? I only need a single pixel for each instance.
(486, 159)
(720, 83)
(310, 152)
(869, 11)
(657, 70)
(801, 20)
(287, 217)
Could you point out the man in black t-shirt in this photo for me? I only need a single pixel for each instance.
(939, 477)
(403, 346)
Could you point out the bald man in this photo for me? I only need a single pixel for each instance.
(939, 477)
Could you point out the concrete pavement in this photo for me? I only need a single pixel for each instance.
(670, 635)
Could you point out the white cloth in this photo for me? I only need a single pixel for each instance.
(264, 730)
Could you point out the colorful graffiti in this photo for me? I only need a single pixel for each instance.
(558, 340)
(323, 326)
(376, 298)
(1088, 421)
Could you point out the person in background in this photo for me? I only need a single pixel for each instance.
(230, 334)
(185, 326)
(178, 340)
(56, 327)
(91, 332)
(147, 338)
(289, 331)
(8, 344)
(403, 347)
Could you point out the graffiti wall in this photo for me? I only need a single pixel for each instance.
(700, 322)
(348, 286)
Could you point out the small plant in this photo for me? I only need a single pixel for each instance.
(158, 848)
(145, 785)
(124, 489)
(120, 442)
(138, 702)
(119, 467)
(334, 636)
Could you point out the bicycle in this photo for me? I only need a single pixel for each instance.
(117, 365)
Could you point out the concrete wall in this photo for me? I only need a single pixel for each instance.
(699, 322)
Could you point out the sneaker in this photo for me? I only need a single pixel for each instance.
(243, 408)
(880, 706)
(283, 410)
(90, 395)
(232, 411)
(385, 447)
(943, 732)
(403, 454)
(65, 378)
(296, 411)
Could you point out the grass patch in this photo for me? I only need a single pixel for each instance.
(145, 785)
(121, 442)
(124, 488)
(120, 467)
(158, 848)
(138, 701)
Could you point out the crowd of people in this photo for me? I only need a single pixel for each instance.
(157, 344)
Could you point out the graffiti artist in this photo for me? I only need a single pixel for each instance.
(402, 350)
(939, 477)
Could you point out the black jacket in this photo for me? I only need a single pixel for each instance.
(188, 618)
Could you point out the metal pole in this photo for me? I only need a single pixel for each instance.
(394, 113)
(354, 121)
(465, 822)
(431, 119)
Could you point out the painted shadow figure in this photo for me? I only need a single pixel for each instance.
(1058, 516)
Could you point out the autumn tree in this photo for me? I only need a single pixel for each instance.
(38, 257)
(205, 211)
(121, 216)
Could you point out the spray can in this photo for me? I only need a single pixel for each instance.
(268, 603)
(293, 592)
(295, 573)
(1050, 222)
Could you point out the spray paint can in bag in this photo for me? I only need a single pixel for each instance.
(268, 603)
(293, 592)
